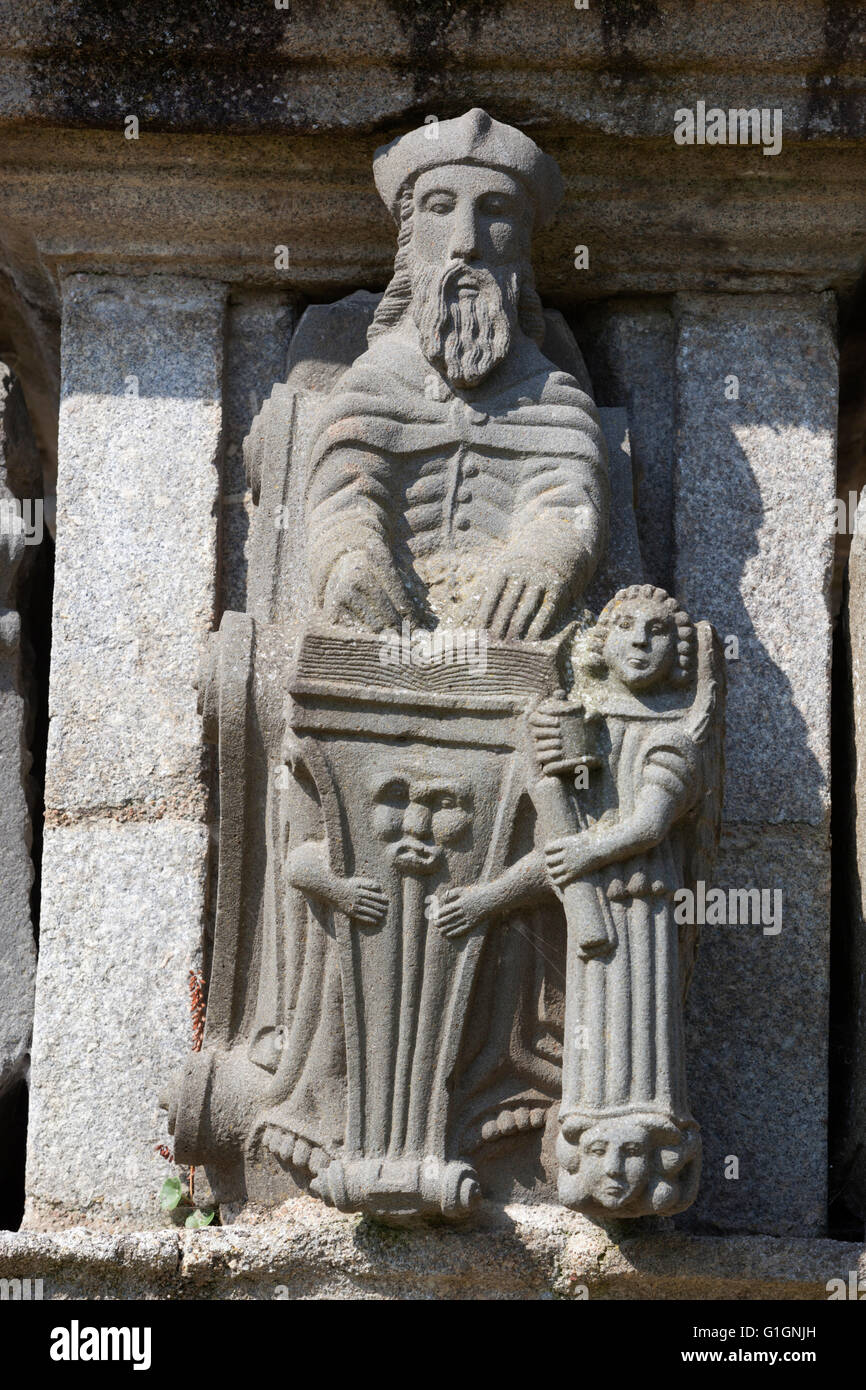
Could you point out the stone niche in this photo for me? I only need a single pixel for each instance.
(440, 667)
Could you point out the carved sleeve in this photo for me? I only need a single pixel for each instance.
(347, 509)
(561, 506)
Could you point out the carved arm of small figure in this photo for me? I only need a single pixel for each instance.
(570, 857)
(456, 911)
(362, 899)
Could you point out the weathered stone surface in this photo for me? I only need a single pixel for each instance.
(518, 1253)
(126, 854)
(122, 912)
(136, 545)
(754, 489)
(245, 67)
(755, 526)
(629, 347)
(216, 96)
(757, 1040)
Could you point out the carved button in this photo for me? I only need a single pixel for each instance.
(464, 523)
(465, 494)
(470, 470)
(477, 417)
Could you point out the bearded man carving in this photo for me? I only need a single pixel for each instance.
(456, 476)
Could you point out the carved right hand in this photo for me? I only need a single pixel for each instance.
(365, 590)
(456, 911)
(361, 899)
(547, 737)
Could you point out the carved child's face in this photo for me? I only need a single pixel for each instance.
(641, 644)
(615, 1161)
(420, 816)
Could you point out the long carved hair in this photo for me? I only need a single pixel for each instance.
(398, 296)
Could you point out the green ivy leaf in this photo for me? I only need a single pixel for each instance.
(197, 1219)
(170, 1194)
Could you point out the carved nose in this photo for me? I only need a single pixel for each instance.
(417, 821)
(464, 243)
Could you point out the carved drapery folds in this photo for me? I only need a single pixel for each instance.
(454, 806)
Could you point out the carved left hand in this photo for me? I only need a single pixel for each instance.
(569, 858)
(521, 599)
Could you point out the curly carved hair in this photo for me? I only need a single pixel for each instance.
(666, 606)
(398, 295)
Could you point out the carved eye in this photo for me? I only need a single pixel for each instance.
(447, 802)
(633, 1150)
(626, 623)
(598, 1148)
(440, 206)
(656, 629)
(393, 794)
(494, 206)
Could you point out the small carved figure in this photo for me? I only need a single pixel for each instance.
(650, 826)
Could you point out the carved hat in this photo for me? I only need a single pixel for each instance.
(474, 138)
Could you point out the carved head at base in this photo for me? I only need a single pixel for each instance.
(627, 1164)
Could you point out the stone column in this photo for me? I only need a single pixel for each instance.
(20, 532)
(126, 843)
(754, 528)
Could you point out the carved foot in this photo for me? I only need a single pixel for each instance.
(294, 1151)
(514, 1121)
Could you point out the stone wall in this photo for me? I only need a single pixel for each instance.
(169, 205)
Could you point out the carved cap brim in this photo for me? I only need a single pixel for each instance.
(474, 138)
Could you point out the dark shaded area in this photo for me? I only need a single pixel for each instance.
(13, 1127)
(845, 1220)
(843, 1223)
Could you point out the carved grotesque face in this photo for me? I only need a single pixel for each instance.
(641, 644)
(419, 816)
(468, 239)
(615, 1162)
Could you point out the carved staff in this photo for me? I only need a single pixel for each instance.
(585, 902)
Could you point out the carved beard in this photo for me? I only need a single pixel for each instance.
(465, 336)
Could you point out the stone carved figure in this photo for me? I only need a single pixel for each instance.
(646, 721)
(404, 899)
(455, 475)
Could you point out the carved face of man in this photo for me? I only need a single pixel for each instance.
(468, 243)
(615, 1158)
(641, 644)
(419, 816)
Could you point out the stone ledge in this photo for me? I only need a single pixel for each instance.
(515, 1252)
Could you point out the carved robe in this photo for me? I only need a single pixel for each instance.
(412, 471)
